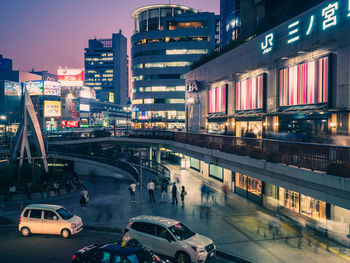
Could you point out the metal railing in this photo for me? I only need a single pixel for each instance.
(321, 157)
(98, 157)
(157, 167)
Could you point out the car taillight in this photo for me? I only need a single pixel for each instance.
(20, 219)
(74, 256)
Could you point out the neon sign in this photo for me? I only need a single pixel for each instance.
(314, 21)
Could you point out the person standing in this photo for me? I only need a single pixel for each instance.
(132, 189)
(163, 191)
(182, 196)
(174, 193)
(150, 188)
(84, 197)
(12, 191)
(226, 190)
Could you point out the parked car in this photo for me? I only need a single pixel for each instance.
(171, 238)
(125, 252)
(48, 219)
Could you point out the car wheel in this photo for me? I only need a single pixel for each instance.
(182, 257)
(25, 231)
(65, 233)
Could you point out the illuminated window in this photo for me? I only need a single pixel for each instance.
(175, 101)
(148, 101)
(249, 93)
(306, 83)
(186, 51)
(139, 101)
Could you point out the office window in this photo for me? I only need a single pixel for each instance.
(186, 51)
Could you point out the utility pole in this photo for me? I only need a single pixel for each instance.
(140, 182)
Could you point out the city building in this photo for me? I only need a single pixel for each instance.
(241, 20)
(290, 83)
(5, 64)
(106, 68)
(167, 40)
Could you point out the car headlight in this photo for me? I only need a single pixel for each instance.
(73, 225)
(198, 249)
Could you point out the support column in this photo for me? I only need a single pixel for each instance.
(158, 156)
(150, 153)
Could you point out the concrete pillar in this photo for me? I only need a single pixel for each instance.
(158, 156)
(150, 153)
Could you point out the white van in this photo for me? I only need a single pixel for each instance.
(48, 219)
(170, 238)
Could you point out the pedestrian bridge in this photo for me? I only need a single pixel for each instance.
(320, 171)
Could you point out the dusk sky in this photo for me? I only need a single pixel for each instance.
(46, 34)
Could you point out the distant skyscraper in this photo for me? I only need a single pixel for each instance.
(167, 40)
(5, 64)
(106, 68)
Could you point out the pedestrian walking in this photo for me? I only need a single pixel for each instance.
(203, 191)
(163, 191)
(174, 194)
(225, 189)
(132, 189)
(150, 188)
(12, 191)
(84, 198)
(182, 196)
(28, 189)
(56, 187)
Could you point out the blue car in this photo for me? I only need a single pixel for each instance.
(131, 252)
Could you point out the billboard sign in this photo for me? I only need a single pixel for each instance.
(70, 77)
(84, 107)
(87, 93)
(52, 108)
(52, 88)
(12, 88)
(35, 87)
(70, 124)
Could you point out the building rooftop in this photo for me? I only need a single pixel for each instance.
(136, 12)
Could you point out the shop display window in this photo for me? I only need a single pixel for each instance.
(217, 99)
(305, 83)
(195, 164)
(216, 172)
(312, 207)
(291, 200)
(249, 93)
(254, 186)
(241, 181)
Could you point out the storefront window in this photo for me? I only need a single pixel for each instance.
(306, 83)
(241, 181)
(216, 172)
(291, 200)
(216, 127)
(249, 129)
(195, 164)
(254, 186)
(312, 207)
(217, 99)
(249, 93)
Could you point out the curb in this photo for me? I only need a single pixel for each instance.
(218, 252)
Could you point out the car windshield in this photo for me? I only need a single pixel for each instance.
(64, 213)
(181, 232)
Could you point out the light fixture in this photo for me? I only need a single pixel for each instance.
(3, 117)
(265, 124)
(226, 123)
(333, 125)
(276, 124)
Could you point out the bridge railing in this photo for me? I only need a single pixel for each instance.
(125, 166)
(321, 157)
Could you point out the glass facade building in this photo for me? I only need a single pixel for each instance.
(167, 40)
(106, 69)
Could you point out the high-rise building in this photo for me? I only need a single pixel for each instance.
(243, 19)
(5, 64)
(106, 68)
(167, 40)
